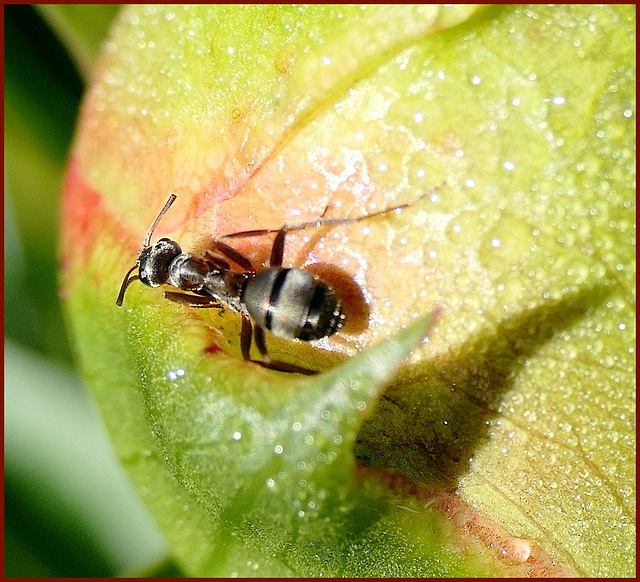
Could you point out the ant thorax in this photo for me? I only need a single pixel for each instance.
(227, 286)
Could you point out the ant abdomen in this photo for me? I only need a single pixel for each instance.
(293, 304)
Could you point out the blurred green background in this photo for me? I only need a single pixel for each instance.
(69, 508)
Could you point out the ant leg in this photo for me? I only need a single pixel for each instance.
(277, 250)
(216, 261)
(234, 255)
(193, 300)
(261, 344)
(321, 221)
(249, 233)
(337, 221)
(245, 338)
(267, 362)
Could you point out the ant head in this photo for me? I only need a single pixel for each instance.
(154, 259)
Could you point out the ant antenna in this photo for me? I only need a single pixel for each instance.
(127, 281)
(167, 205)
(128, 278)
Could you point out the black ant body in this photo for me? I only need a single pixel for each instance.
(291, 303)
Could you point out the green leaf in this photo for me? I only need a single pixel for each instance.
(510, 136)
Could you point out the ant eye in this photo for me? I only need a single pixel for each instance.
(154, 262)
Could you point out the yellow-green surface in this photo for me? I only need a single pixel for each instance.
(512, 133)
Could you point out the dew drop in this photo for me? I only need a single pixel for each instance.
(579, 272)
(173, 375)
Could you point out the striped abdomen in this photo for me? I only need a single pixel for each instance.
(292, 303)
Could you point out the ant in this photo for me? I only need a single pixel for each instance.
(291, 303)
